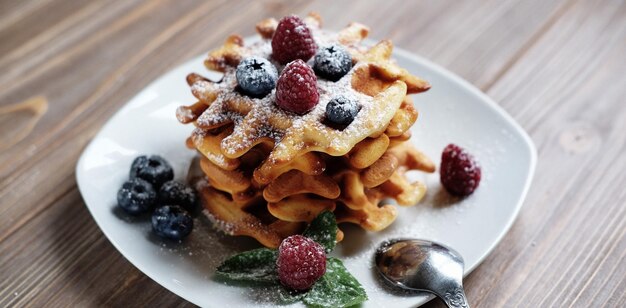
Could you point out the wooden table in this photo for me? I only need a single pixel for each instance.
(558, 67)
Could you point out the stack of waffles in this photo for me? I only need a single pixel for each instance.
(270, 171)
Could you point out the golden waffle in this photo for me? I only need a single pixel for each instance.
(271, 171)
(249, 218)
(361, 191)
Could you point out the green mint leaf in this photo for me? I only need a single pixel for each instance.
(258, 265)
(337, 288)
(323, 229)
(287, 296)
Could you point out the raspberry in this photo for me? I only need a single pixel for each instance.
(296, 88)
(301, 262)
(292, 40)
(460, 173)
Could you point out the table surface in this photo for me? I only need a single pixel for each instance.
(558, 67)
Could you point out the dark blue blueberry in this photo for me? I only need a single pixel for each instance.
(332, 62)
(174, 192)
(341, 110)
(172, 222)
(136, 196)
(153, 169)
(256, 76)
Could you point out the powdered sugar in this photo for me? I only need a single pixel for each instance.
(332, 62)
(261, 109)
(219, 224)
(300, 29)
(256, 76)
(184, 114)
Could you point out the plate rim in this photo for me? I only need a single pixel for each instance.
(532, 149)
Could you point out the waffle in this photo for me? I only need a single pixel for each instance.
(271, 171)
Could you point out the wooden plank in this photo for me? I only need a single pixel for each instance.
(12, 11)
(67, 262)
(567, 247)
(32, 49)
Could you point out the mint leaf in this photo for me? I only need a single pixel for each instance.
(258, 265)
(287, 296)
(337, 288)
(323, 229)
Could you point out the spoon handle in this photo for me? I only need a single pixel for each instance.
(455, 298)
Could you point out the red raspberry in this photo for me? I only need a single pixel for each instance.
(292, 40)
(301, 262)
(296, 88)
(460, 173)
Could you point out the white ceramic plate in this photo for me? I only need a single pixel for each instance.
(452, 111)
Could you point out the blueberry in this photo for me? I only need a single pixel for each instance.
(153, 169)
(174, 192)
(341, 110)
(136, 196)
(172, 222)
(332, 62)
(256, 76)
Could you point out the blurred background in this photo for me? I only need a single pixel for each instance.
(558, 67)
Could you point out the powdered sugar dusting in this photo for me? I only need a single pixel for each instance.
(300, 29)
(261, 109)
(185, 114)
(219, 224)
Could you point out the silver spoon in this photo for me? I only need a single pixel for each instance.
(425, 266)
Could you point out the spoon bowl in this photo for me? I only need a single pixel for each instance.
(422, 265)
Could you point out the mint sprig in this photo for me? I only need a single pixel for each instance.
(288, 296)
(258, 265)
(337, 288)
(323, 229)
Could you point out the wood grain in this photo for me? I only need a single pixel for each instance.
(556, 66)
